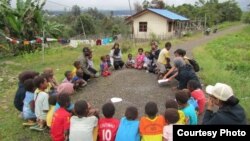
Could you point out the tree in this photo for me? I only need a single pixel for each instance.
(138, 7)
(145, 4)
(229, 11)
(88, 24)
(246, 17)
(76, 10)
(115, 30)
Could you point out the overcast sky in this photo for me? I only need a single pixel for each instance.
(107, 4)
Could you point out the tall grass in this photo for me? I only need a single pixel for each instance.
(227, 60)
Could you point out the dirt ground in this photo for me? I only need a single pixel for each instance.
(135, 87)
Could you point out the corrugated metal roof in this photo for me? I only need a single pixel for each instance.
(168, 14)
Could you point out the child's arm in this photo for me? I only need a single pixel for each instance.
(66, 135)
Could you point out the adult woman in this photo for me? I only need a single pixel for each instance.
(184, 73)
(116, 54)
(230, 111)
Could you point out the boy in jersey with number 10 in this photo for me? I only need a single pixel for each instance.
(107, 126)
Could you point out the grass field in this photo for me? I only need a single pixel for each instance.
(227, 60)
(60, 59)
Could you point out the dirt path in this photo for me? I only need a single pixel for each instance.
(136, 88)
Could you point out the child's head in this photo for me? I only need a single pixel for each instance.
(81, 108)
(171, 115)
(40, 82)
(27, 75)
(171, 103)
(188, 93)
(103, 58)
(129, 56)
(29, 85)
(181, 97)
(147, 53)
(193, 85)
(77, 64)
(107, 57)
(48, 71)
(52, 100)
(68, 75)
(108, 110)
(168, 45)
(151, 109)
(79, 73)
(140, 51)
(131, 113)
(63, 100)
(47, 76)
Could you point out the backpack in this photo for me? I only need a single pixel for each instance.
(195, 65)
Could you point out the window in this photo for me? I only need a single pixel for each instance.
(143, 26)
(170, 26)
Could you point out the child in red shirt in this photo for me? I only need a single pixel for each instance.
(61, 120)
(194, 87)
(108, 126)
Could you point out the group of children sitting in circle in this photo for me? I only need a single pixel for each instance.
(44, 103)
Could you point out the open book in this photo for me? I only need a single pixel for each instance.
(162, 81)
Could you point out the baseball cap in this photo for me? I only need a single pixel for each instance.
(221, 91)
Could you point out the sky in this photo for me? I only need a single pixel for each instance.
(110, 4)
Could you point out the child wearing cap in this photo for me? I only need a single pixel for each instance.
(230, 111)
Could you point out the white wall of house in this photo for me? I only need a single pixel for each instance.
(155, 24)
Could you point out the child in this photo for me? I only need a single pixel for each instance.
(189, 110)
(52, 81)
(28, 114)
(68, 77)
(171, 103)
(147, 61)
(108, 126)
(78, 80)
(131, 62)
(129, 126)
(139, 61)
(81, 126)
(109, 61)
(151, 126)
(104, 67)
(171, 117)
(50, 89)
(77, 66)
(60, 122)
(194, 87)
(52, 104)
(191, 100)
(41, 99)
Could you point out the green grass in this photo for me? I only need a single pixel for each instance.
(227, 24)
(60, 59)
(226, 60)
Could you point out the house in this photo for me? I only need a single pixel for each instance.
(160, 22)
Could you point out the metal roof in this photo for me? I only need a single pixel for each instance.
(168, 14)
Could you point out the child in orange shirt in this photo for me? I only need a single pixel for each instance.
(151, 126)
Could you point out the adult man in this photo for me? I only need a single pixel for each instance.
(88, 70)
